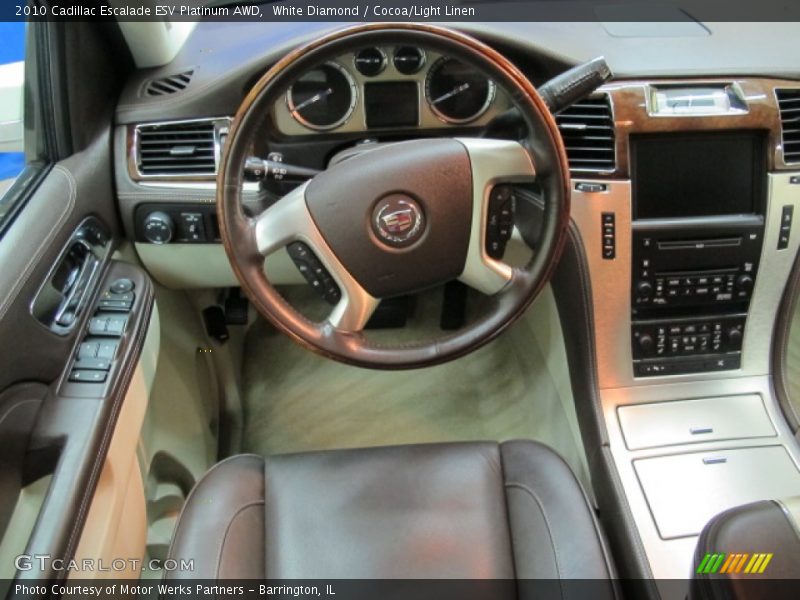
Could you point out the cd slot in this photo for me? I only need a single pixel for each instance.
(696, 273)
(728, 242)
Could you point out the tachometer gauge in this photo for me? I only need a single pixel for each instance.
(323, 98)
(457, 92)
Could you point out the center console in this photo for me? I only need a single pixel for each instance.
(697, 235)
(688, 250)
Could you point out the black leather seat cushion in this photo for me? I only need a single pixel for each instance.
(465, 510)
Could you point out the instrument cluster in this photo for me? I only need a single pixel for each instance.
(387, 88)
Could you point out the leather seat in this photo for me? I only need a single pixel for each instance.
(463, 510)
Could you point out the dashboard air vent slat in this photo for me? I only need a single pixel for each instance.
(587, 128)
(177, 149)
(789, 107)
(169, 84)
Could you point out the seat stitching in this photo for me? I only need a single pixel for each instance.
(227, 530)
(508, 513)
(536, 499)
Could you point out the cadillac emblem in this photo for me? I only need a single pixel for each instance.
(398, 220)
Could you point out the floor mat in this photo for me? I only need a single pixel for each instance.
(297, 401)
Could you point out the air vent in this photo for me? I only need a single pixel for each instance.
(168, 85)
(183, 148)
(789, 106)
(588, 131)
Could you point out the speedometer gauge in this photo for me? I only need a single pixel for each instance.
(323, 98)
(457, 92)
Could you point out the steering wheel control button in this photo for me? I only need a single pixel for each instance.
(499, 220)
(313, 271)
(398, 220)
(121, 286)
(609, 236)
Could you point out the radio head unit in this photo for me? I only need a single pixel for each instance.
(700, 264)
(698, 228)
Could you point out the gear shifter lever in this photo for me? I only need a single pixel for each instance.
(558, 93)
(574, 84)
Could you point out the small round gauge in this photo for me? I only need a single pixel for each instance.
(370, 61)
(457, 92)
(323, 98)
(408, 59)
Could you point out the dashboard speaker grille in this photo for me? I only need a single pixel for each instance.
(171, 84)
(789, 106)
(587, 128)
(188, 148)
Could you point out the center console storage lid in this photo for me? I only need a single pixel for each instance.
(690, 421)
(685, 491)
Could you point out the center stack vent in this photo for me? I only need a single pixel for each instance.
(587, 128)
(789, 106)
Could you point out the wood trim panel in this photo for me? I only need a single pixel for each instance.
(629, 109)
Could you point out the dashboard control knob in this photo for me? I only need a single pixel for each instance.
(744, 282)
(646, 342)
(159, 227)
(735, 336)
(644, 289)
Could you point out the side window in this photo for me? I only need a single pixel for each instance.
(12, 76)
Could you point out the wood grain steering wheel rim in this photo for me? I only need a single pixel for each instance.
(449, 179)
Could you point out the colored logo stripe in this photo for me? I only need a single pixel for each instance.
(720, 562)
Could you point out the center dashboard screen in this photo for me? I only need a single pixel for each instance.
(391, 104)
(698, 174)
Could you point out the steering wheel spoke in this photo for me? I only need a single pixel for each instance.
(493, 162)
(282, 223)
(354, 309)
(289, 220)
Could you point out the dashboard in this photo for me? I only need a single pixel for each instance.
(685, 182)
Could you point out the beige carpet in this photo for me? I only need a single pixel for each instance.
(296, 401)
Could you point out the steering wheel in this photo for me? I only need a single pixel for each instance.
(399, 218)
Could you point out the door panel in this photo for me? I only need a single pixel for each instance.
(74, 189)
(59, 428)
